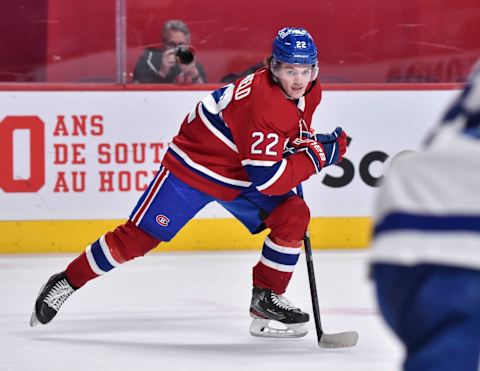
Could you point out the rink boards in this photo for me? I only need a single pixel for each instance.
(199, 234)
(73, 163)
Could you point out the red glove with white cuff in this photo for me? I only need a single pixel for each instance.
(327, 150)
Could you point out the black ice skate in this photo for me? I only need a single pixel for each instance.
(267, 306)
(51, 298)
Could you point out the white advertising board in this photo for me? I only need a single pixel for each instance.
(89, 155)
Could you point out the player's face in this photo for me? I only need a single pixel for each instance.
(175, 38)
(294, 79)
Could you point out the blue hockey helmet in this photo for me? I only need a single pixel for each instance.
(294, 45)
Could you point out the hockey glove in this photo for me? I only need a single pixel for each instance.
(335, 144)
(328, 138)
(329, 151)
(294, 145)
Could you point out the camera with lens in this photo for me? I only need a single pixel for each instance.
(185, 54)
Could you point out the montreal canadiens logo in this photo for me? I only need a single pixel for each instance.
(162, 220)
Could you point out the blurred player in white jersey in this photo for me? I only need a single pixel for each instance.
(231, 149)
(426, 249)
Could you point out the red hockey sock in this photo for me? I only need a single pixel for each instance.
(281, 249)
(126, 242)
(275, 268)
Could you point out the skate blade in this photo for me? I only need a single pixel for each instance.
(34, 320)
(261, 328)
(341, 340)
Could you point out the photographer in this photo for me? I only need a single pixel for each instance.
(173, 62)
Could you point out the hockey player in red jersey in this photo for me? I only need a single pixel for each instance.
(245, 146)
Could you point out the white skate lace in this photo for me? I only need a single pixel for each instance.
(282, 302)
(58, 294)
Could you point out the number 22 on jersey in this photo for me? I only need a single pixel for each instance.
(264, 143)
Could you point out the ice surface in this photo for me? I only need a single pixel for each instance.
(187, 311)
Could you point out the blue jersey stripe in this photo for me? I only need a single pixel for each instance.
(473, 122)
(278, 257)
(469, 115)
(100, 257)
(217, 94)
(261, 174)
(447, 223)
(182, 161)
(218, 123)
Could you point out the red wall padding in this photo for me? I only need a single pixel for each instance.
(23, 40)
(361, 41)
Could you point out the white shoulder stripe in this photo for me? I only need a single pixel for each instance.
(193, 114)
(258, 163)
(210, 104)
(207, 171)
(275, 177)
(216, 108)
(217, 132)
(227, 97)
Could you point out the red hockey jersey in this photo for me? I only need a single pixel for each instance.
(235, 138)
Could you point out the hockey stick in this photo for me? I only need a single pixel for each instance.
(342, 339)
